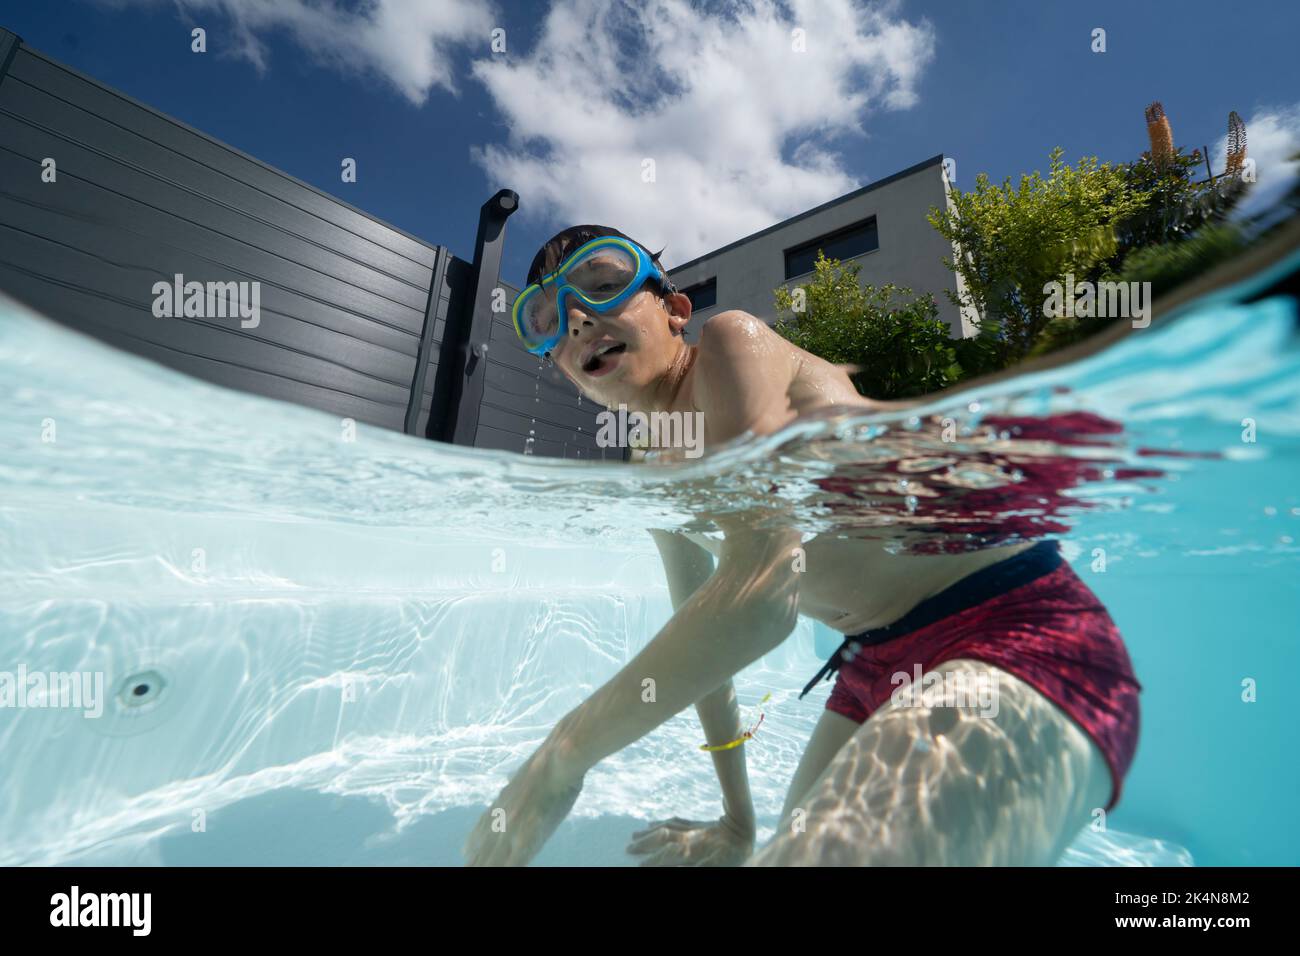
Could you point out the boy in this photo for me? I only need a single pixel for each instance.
(885, 778)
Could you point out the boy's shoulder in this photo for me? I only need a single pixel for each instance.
(736, 343)
(733, 328)
(741, 373)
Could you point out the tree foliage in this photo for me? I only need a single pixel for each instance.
(1013, 240)
(1177, 206)
(893, 336)
(1150, 220)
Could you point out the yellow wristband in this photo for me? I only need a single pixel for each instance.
(733, 744)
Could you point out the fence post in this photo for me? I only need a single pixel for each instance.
(458, 387)
(9, 44)
(438, 282)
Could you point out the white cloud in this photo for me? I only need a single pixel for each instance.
(740, 126)
(1272, 135)
(405, 42)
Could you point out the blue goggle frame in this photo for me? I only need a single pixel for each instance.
(645, 269)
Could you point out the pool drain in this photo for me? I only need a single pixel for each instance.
(141, 689)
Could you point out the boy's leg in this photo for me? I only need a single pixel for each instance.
(928, 785)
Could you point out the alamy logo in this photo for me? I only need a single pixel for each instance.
(103, 909)
(624, 429)
(977, 690)
(77, 691)
(1115, 300)
(209, 300)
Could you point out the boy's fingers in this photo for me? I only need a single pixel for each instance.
(651, 841)
(675, 823)
(662, 858)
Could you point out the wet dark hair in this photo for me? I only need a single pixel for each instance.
(554, 250)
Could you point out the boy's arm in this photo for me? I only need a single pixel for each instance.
(687, 567)
(750, 603)
(743, 611)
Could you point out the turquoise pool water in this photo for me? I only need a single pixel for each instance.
(317, 650)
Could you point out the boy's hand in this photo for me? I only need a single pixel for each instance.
(679, 842)
(525, 814)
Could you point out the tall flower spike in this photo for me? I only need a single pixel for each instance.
(1236, 143)
(1161, 136)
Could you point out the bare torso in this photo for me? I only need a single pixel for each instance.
(852, 584)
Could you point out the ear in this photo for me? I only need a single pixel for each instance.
(679, 311)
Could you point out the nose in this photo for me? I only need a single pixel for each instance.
(578, 320)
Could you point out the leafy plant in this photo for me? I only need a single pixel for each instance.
(1178, 205)
(1011, 241)
(1145, 221)
(894, 336)
(1169, 265)
(1165, 266)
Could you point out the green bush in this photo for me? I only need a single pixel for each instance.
(1178, 206)
(1136, 222)
(1173, 263)
(896, 339)
(1012, 241)
(1165, 266)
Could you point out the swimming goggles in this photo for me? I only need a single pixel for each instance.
(602, 274)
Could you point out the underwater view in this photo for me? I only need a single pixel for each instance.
(331, 648)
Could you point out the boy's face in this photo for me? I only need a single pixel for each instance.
(621, 356)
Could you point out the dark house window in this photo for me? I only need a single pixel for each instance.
(842, 244)
(703, 295)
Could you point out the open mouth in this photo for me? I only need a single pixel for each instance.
(603, 359)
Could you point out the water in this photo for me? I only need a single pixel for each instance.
(318, 650)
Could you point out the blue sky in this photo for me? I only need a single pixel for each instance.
(744, 130)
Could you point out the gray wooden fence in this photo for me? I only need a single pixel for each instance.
(102, 197)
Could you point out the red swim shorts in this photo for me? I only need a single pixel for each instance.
(1031, 616)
